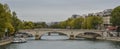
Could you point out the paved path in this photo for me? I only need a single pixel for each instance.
(6, 41)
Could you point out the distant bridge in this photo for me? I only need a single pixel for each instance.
(71, 33)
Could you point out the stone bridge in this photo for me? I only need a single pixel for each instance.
(71, 33)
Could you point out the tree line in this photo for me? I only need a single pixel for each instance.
(11, 24)
(90, 22)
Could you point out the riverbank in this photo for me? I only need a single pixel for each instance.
(102, 38)
(109, 38)
(50, 42)
(6, 41)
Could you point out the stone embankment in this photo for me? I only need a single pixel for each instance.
(102, 38)
(6, 41)
(109, 38)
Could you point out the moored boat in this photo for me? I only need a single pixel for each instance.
(19, 40)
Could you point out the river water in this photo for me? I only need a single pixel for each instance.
(61, 42)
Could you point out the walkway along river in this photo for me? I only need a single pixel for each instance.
(61, 42)
(6, 41)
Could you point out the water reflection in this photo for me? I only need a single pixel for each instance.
(60, 42)
(115, 45)
(54, 36)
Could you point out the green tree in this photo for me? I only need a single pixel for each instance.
(84, 24)
(17, 23)
(92, 22)
(63, 24)
(28, 25)
(76, 23)
(115, 16)
(5, 20)
(40, 25)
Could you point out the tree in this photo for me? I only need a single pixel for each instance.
(28, 25)
(5, 20)
(67, 23)
(115, 16)
(17, 23)
(63, 24)
(77, 23)
(40, 25)
(84, 24)
(92, 22)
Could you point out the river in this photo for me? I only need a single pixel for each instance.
(61, 42)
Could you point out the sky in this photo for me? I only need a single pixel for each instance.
(57, 10)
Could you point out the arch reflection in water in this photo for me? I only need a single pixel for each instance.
(54, 36)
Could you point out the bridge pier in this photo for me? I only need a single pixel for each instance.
(72, 37)
(49, 34)
(37, 37)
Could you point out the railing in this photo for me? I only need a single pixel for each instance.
(60, 30)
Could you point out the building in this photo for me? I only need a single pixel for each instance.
(106, 17)
(106, 20)
(106, 14)
(75, 16)
(52, 23)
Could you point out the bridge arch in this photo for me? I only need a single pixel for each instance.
(42, 33)
(71, 33)
(93, 34)
(89, 34)
(54, 32)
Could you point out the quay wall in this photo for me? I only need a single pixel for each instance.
(6, 41)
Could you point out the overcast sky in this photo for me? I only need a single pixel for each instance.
(57, 10)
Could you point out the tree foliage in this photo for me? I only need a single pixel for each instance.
(90, 22)
(5, 20)
(76, 23)
(40, 25)
(115, 16)
(28, 25)
(9, 22)
(17, 23)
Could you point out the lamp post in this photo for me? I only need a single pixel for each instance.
(6, 32)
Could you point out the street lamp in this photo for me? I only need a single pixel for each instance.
(6, 32)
